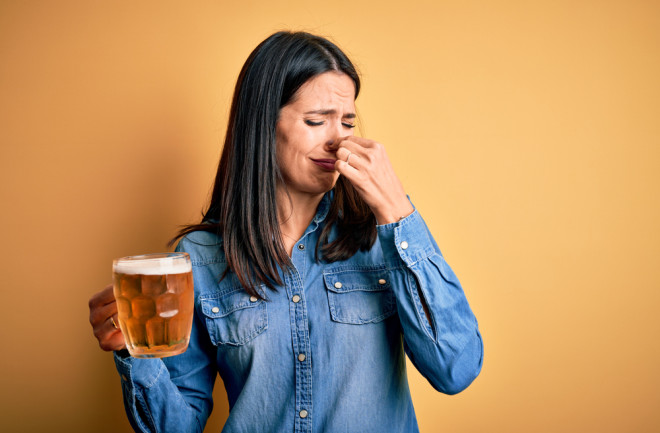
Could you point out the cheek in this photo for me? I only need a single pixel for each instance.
(302, 142)
(294, 147)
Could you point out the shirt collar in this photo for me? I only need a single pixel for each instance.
(324, 206)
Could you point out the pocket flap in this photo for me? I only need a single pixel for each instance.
(220, 305)
(349, 280)
(359, 295)
(233, 317)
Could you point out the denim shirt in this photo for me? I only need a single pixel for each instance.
(324, 352)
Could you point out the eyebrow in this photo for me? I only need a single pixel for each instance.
(326, 112)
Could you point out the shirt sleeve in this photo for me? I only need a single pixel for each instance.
(445, 345)
(173, 393)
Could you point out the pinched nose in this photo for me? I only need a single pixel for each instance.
(333, 144)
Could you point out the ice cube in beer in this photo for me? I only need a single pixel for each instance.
(124, 307)
(143, 307)
(157, 332)
(167, 305)
(129, 285)
(176, 328)
(137, 332)
(178, 283)
(153, 285)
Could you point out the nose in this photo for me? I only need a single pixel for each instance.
(332, 144)
(335, 136)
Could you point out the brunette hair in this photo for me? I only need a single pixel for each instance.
(243, 209)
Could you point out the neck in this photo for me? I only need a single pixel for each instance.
(295, 212)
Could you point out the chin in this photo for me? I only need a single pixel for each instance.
(330, 185)
(323, 187)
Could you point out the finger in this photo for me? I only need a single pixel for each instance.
(352, 158)
(348, 171)
(112, 341)
(356, 148)
(109, 334)
(104, 297)
(99, 315)
(114, 321)
(361, 141)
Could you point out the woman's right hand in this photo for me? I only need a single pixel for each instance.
(103, 317)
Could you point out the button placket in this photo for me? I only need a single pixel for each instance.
(301, 347)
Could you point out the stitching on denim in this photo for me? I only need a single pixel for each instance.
(388, 310)
(424, 254)
(213, 325)
(348, 268)
(135, 409)
(145, 409)
(205, 262)
(153, 382)
(413, 288)
(226, 306)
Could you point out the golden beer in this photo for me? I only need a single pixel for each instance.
(154, 294)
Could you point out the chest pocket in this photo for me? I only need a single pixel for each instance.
(233, 317)
(359, 296)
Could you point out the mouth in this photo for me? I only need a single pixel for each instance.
(325, 164)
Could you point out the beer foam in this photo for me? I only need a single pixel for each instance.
(160, 266)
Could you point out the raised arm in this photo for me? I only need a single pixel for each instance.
(440, 331)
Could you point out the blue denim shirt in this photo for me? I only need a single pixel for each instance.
(323, 353)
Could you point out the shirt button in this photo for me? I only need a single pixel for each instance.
(215, 309)
(296, 298)
(301, 247)
(303, 413)
(338, 285)
(301, 357)
(124, 378)
(382, 281)
(404, 245)
(253, 299)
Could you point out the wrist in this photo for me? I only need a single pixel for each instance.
(394, 215)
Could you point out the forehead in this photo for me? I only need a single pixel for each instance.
(328, 90)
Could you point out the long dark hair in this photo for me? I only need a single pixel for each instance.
(243, 208)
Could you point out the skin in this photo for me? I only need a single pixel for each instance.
(315, 126)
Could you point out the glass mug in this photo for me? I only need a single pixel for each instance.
(154, 294)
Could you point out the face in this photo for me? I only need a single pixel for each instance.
(322, 111)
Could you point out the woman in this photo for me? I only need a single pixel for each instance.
(313, 272)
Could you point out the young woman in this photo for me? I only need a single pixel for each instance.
(314, 274)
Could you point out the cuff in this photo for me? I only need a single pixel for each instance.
(138, 371)
(406, 239)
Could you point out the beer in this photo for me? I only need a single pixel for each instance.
(154, 294)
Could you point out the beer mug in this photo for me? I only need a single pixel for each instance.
(154, 294)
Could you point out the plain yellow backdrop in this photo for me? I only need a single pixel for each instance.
(527, 133)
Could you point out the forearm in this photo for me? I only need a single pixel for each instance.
(440, 331)
(154, 403)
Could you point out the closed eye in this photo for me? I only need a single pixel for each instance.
(312, 123)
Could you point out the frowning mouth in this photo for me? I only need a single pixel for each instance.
(326, 164)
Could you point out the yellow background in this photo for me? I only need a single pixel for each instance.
(527, 133)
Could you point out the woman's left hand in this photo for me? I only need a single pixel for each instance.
(371, 173)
